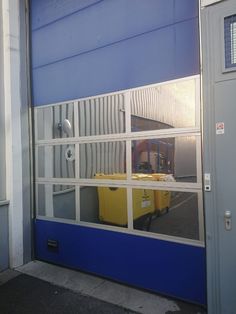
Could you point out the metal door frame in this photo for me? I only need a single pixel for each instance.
(211, 75)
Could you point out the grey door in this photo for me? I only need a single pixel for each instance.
(219, 87)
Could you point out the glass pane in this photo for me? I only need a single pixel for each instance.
(56, 161)
(56, 201)
(55, 122)
(175, 157)
(166, 212)
(104, 205)
(164, 106)
(102, 158)
(230, 41)
(103, 115)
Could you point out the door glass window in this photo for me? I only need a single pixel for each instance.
(101, 159)
(167, 156)
(56, 201)
(104, 205)
(166, 106)
(127, 160)
(230, 41)
(57, 161)
(53, 122)
(171, 213)
(102, 115)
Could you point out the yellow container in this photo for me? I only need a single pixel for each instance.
(113, 201)
(162, 198)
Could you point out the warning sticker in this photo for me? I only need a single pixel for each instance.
(220, 128)
(146, 204)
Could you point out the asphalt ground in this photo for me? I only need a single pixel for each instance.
(24, 294)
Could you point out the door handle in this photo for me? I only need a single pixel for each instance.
(228, 220)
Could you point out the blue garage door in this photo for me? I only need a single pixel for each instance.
(116, 96)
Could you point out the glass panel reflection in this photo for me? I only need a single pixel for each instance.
(104, 205)
(170, 156)
(55, 122)
(164, 106)
(107, 158)
(174, 214)
(56, 161)
(56, 201)
(103, 115)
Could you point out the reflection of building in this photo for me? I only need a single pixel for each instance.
(139, 123)
(153, 156)
(165, 155)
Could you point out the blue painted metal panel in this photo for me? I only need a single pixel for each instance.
(110, 45)
(186, 51)
(185, 9)
(127, 64)
(99, 26)
(45, 12)
(169, 268)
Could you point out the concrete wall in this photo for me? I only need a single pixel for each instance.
(4, 237)
(2, 122)
(15, 101)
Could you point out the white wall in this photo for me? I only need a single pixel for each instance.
(2, 122)
(12, 84)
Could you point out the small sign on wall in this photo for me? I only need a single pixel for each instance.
(220, 128)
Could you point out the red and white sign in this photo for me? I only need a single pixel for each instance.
(220, 128)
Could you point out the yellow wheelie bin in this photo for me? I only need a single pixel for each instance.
(161, 198)
(113, 200)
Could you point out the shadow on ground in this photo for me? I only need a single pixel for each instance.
(25, 295)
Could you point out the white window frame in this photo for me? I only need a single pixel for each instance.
(225, 69)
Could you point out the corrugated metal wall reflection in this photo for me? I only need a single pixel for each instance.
(163, 106)
(100, 116)
(173, 104)
(104, 158)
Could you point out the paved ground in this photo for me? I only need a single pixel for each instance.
(25, 295)
(48, 289)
